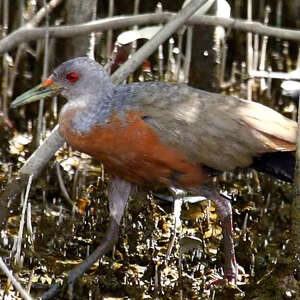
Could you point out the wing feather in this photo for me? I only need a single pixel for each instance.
(222, 132)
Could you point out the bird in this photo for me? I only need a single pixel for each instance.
(159, 134)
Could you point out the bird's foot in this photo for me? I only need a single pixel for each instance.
(231, 278)
(230, 290)
(106, 245)
(63, 288)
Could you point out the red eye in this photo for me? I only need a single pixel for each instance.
(72, 77)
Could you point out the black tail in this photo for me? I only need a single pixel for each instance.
(278, 164)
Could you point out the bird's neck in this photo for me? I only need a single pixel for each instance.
(88, 111)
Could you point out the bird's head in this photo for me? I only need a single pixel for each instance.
(77, 78)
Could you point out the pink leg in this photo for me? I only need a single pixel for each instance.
(224, 212)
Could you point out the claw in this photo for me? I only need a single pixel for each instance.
(230, 279)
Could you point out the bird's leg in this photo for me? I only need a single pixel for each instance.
(118, 194)
(224, 212)
(119, 191)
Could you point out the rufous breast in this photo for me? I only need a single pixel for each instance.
(129, 148)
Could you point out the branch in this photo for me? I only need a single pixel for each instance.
(33, 166)
(14, 281)
(37, 18)
(28, 34)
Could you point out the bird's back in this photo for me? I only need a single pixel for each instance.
(223, 132)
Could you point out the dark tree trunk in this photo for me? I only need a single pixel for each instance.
(76, 12)
(205, 68)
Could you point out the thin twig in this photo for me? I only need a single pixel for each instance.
(92, 45)
(5, 88)
(75, 182)
(44, 76)
(22, 221)
(5, 60)
(28, 288)
(255, 52)
(38, 17)
(298, 59)
(224, 51)
(20, 52)
(109, 35)
(249, 51)
(188, 54)
(171, 61)
(263, 52)
(160, 52)
(179, 55)
(135, 12)
(14, 281)
(63, 187)
(28, 221)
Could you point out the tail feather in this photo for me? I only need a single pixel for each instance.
(278, 164)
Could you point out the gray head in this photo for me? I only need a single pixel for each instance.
(80, 78)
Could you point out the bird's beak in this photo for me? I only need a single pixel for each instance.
(45, 89)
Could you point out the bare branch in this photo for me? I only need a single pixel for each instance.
(27, 34)
(14, 281)
(42, 13)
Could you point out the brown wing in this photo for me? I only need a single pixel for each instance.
(222, 132)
